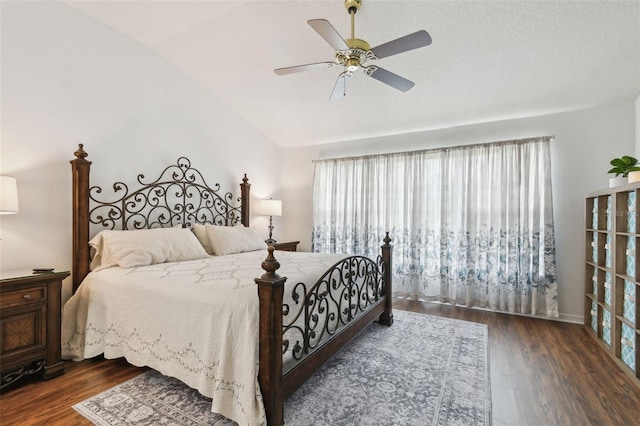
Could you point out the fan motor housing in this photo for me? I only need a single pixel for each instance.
(358, 54)
(356, 43)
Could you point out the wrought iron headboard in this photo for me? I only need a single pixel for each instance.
(180, 195)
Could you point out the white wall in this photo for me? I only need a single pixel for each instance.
(584, 143)
(638, 127)
(67, 79)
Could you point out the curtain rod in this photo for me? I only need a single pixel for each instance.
(445, 148)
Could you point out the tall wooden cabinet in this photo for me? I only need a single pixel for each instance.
(612, 276)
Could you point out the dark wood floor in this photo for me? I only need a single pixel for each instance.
(543, 373)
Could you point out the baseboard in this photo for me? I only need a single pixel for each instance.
(575, 319)
(569, 318)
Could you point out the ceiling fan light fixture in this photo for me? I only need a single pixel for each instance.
(352, 64)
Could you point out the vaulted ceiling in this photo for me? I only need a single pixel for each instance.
(490, 60)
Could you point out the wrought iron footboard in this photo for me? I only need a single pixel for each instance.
(314, 314)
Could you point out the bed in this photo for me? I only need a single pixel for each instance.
(197, 317)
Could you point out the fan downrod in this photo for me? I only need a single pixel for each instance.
(357, 55)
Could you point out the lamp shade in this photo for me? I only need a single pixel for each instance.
(8, 195)
(271, 207)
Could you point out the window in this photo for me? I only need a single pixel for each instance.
(471, 225)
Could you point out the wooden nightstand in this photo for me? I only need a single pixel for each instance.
(287, 246)
(30, 324)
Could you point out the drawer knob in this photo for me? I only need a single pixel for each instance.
(26, 296)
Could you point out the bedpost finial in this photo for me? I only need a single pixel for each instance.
(245, 179)
(81, 153)
(270, 265)
(387, 238)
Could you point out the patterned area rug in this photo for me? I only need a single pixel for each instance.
(423, 370)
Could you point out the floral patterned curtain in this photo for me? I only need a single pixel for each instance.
(471, 225)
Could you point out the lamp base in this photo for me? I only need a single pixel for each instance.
(270, 241)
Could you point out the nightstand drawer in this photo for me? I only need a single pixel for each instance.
(23, 297)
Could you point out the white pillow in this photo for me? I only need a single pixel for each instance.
(96, 252)
(201, 234)
(233, 239)
(145, 247)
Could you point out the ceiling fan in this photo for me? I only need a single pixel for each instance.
(354, 53)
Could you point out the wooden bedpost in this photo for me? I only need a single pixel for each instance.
(80, 168)
(245, 200)
(386, 318)
(270, 291)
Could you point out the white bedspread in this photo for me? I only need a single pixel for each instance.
(195, 320)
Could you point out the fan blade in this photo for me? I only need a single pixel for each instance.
(340, 89)
(307, 67)
(327, 32)
(403, 44)
(387, 77)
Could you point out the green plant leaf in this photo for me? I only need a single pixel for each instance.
(624, 165)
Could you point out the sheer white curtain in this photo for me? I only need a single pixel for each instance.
(471, 225)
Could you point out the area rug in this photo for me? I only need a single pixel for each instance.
(424, 370)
